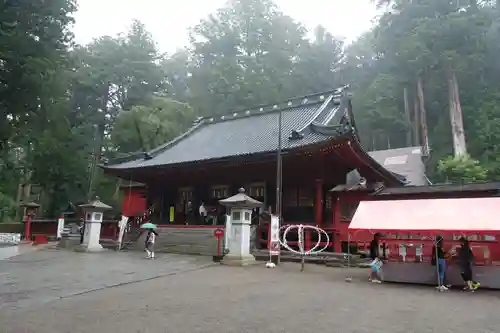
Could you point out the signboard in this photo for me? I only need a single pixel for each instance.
(171, 215)
(10, 238)
(121, 227)
(228, 233)
(274, 234)
(60, 227)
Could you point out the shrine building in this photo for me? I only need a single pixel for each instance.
(325, 170)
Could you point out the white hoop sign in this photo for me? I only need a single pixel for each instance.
(300, 230)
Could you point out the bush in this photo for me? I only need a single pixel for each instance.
(7, 208)
(462, 169)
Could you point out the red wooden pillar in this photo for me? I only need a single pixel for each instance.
(27, 228)
(336, 222)
(318, 211)
(318, 203)
(307, 240)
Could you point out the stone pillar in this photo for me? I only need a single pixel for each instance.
(239, 233)
(93, 222)
(239, 238)
(94, 212)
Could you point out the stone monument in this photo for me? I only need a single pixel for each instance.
(240, 208)
(93, 213)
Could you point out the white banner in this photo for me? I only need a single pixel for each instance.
(121, 226)
(60, 227)
(274, 234)
(227, 234)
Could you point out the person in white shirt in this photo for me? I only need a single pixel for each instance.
(203, 212)
(150, 242)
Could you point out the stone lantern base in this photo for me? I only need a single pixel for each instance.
(247, 260)
(86, 248)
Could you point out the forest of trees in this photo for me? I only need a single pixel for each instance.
(67, 107)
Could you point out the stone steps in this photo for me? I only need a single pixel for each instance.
(325, 258)
(182, 240)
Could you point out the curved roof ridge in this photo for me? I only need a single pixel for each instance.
(331, 129)
(153, 152)
(379, 168)
(274, 107)
(159, 149)
(315, 116)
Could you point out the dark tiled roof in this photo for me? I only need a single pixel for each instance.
(406, 162)
(357, 187)
(305, 121)
(442, 188)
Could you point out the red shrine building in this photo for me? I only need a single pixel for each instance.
(325, 170)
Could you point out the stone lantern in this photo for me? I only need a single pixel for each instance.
(31, 208)
(93, 214)
(240, 213)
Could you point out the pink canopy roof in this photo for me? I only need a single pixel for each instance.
(466, 215)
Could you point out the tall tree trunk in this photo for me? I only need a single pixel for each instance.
(474, 5)
(408, 117)
(99, 141)
(423, 117)
(457, 125)
(416, 122)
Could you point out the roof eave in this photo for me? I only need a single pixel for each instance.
(271, 154)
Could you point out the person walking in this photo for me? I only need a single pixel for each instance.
(376, 264)
(465, 260)
(203, 213)
(149, 244)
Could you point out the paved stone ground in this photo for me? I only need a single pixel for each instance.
(218, 299)
(38, 277)
(9, 251)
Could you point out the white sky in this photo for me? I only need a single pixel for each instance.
(168, 20)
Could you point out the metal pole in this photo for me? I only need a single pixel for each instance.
(279, 174)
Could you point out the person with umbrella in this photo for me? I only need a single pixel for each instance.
(150, 239)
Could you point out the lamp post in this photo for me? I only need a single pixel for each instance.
(279, 175)
(30, 212)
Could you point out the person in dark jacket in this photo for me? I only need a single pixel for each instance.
(465, 260)
(375, 272)
(439, 258)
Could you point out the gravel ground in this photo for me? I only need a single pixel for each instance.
(197, 297)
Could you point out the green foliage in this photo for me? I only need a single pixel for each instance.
(65, 110)
(58, 163)
(462, 169)
(145, 127)
(249, 53)
(33, 40)
(8, 208)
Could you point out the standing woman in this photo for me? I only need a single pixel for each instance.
(439, 259)
(465, 259)
(375, 266)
